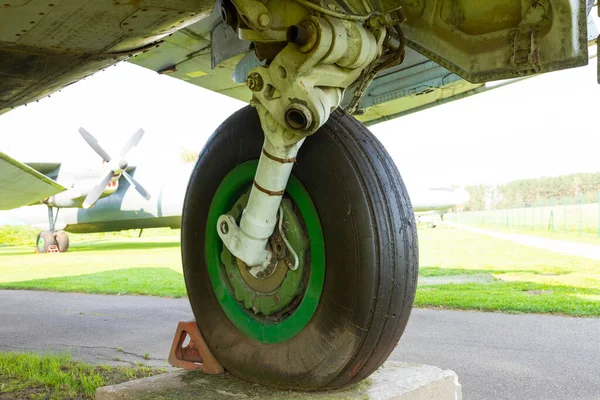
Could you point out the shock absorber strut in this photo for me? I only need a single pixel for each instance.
(294, 96)
(249, 241)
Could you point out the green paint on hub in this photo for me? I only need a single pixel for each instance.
(230, 190)
(291, 284)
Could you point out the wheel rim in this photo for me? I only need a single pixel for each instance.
(275, 291)
(229, 191)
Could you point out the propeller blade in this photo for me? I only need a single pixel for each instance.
(96, 191)
(132, 142)
(94, 144)
(137, 186)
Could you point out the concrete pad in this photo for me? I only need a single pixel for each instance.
(393, 381)
(455, 279)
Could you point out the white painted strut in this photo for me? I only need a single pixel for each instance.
(248, 242)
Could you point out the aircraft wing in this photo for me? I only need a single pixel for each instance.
(22, 185)
(456, 47)
(187, 55)
(210, 54)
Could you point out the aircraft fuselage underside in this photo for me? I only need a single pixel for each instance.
(45, 46)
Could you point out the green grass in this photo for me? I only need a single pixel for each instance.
(586, 238)
(31, 376)
(538, 221)
(527, 279)
(145, 266)
(512, 297)
(143, 281)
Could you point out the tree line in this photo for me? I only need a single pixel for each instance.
(528, 192)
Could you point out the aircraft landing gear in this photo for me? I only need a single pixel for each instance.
(335, 318)
(62, 241)
(45, 239)
(298, 239)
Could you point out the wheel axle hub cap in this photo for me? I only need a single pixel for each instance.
(272, 290)
(271, 322)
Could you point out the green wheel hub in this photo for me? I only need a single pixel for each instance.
(274, 293)
(275, 308)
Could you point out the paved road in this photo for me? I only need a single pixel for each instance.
(496, 356)
(500, 356)
(91, 327)
(558, 246)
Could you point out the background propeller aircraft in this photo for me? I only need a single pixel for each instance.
(124, 205)
(57, 188)
(432, 204)
(116, 168)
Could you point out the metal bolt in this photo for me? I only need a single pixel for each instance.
(224, 228)
(288, 263)
(264, 20)
(254, 81)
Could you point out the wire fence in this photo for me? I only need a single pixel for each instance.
(566, 215)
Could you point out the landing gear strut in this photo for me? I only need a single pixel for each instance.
(48, 238)
(298, 238)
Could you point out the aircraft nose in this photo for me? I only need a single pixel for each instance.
(122, 164)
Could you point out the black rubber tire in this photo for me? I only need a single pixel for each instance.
(48, 240)
(62, 240)
(371, 252)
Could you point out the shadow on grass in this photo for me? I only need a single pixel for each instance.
(162, 282)
(16, 251)
(512, 297)
(121, 245)
(426, 272)
(95, 246)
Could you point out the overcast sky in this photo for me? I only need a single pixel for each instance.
(546, 125)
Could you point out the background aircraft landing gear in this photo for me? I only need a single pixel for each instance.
(333, 319)
(45, 239)
(62, 241)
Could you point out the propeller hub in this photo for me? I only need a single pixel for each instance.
(114, 167)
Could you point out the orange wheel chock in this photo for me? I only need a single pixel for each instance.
(196, 355)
